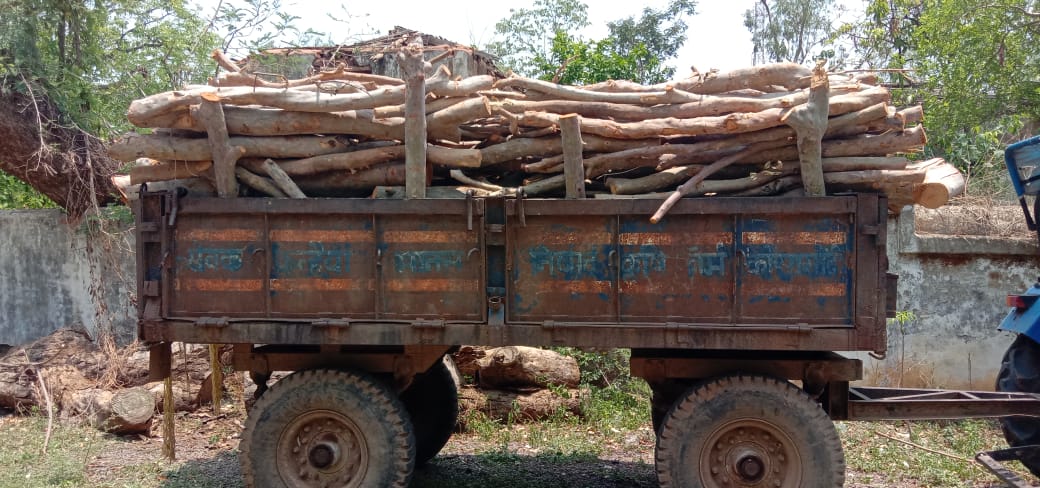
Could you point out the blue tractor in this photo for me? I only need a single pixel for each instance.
(1020, 368)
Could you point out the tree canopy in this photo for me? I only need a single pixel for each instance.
(789, 30)
(542, 42)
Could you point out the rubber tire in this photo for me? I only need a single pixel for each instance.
(369, 404)
(663, 397)
(709, 408)
(1020, 372)
(432, 401)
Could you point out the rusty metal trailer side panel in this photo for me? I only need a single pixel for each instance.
(749, 273)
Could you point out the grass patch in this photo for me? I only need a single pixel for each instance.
(25, 464)
(936, 454)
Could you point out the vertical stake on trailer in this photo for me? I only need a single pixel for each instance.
(414, 67)
(573, 167)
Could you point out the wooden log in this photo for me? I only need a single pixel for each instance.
(573, 167)
(128, 411)
(334, 183)
(282, 180)
(223, 61)
(252, 121)
(357, 160)
(708, 105)
(437, 192)
(513, 406)
(133, 146)
(432, 105)
(223, 154)
(168, 170)
(259, 183)
(719, 125)
(907, 141)
(550, 146)
(526, 367)
(545, 185)
(445, 123)
(810, 123)
(412, 63)
(761, 78)
(664, 179)
(942, 181)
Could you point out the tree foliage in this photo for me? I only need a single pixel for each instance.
(789, 30)
(542, 42)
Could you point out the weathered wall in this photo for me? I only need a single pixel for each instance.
(49, 272)
(952, 291)
(954, 287)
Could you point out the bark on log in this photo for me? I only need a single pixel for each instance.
(707, 105)
(223, 154)
(512, 406)
(127, 411)
(253, 121)
(551, 146)
(259, 183)
(358, 160)
(810, 123)
(335, 182)
(761, 78)
(133, 146)
(445, 123)
(282, 180)
(168, 170)
(526, 367)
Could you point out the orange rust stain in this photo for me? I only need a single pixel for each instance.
(218, 285)
(570, 238)
(432, 285)
(590, 286)
(635, 287)
(786, 290)
(428, 236)
(219, 235)
(321, 235)
(292, 285)
(794, 238)
(663, 239)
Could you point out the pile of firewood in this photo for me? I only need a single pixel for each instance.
(766, 130)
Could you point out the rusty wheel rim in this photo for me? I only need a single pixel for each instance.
(750, 453)
(322, 448)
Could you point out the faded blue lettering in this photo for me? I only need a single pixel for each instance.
(317, 260)
(427, 261)
(567, 265)
(708, 264)
(785, 266)
(648, 259)
(201, 259)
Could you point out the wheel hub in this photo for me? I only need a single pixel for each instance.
(750, 453)
(322, 448)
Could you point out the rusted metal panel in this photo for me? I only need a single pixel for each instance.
(563, 268)
(218, 267)
(430, 268)
(321, 266)
(871, 403)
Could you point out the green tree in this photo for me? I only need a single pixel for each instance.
(789, 30)
(524, 40)
(650, 39)
(542, 42)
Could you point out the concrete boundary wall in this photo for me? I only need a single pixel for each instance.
(953, 287)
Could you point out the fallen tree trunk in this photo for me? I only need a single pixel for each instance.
(526, 367)
(514, 406)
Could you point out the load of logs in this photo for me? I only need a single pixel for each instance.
(766, 130)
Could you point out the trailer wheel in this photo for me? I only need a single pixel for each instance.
(327, 428)
(1020, 372)
(432, 401)
(664, 394)
(748, 431)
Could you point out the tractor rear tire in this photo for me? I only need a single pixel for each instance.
(328, 428)
(1020, 372)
